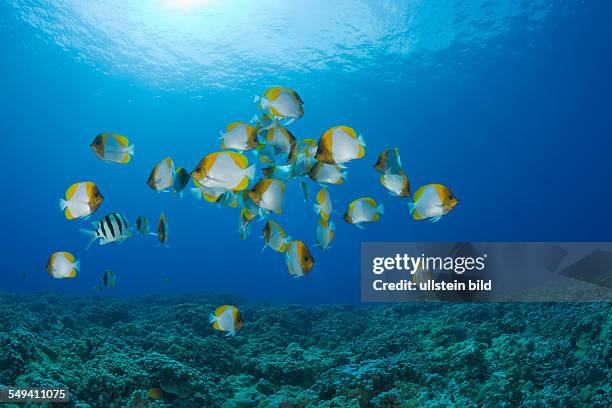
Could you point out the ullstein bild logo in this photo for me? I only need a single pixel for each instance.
(486, 271)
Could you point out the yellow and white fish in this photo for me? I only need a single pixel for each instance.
(280, 139)
(82, 200)
(340, 144)
(283, 103)
(389, 162)
(227, 319)
(302, 157)
(323, 206)
(224, 171)
(112, 148)
(239, 136)
(275, 237)
(268, 194)
(298, 258)
(327, 173)
(396, 184)
(432, 201)
(363, 210)
(162, 175)
(325, 233)
(63, 265)
(282, 173)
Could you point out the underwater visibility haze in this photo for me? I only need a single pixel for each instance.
(504, 104)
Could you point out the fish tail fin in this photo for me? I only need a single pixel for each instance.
(331, 226)
(255, 118)
(361, 140)
(316, 208)
(63, 204)
(412, 207)
(91, 234)
(131, 149)
(256, 98)
(381, 208)
(264, 248)
(77, 265)
(212, 318)
(250, 172)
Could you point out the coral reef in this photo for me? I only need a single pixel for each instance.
(110, 352)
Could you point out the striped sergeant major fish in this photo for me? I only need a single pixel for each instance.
(112, 228)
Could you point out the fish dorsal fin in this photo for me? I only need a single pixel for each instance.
(370, 201)
(122, 140)
(239, 159)
(233, 125)
(348, 130)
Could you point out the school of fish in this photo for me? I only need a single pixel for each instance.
(227, 177)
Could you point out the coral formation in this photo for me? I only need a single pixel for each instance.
(110, 352)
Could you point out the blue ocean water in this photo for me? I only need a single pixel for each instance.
(505, 102)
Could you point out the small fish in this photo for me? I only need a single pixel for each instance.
(280, 139)
(283, 173)
(162, 175)
(112, 148)
(63, 265)
(363, 210)
(228, 199)
(166, 280)
(282, 103)
(268, 194)
(226, 318)
(340, 144)
(432, 201)
(244, 229)
(274, 237)
(181, 179)
(142, 225)
(239, 136)
(155, 394)
(389, 162)
(298, 258)
(266, 153)
(325, 233)
(304, 188)
(396, 184)
(162, 230)
(302, 157)
(112, 228)
(109, 278)
(82, 200)
(327, 173)
(323, 206)
(305, 147)
(224, 171)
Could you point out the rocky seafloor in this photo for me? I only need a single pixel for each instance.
(110, 352)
